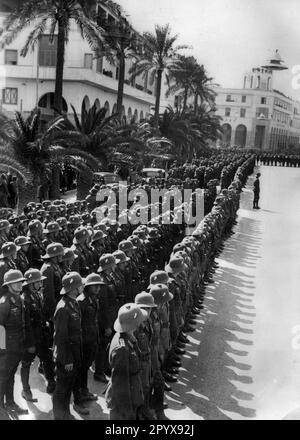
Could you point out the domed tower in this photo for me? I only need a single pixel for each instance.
(261, 78)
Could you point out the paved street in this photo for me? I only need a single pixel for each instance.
(241, 363)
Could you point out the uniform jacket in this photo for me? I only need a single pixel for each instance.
(89, 318)
(37, 249)
(67, 332)
(12, 318)
(34, 319)
(52, 287)
(124, 393)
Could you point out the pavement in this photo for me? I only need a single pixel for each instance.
(243, 360)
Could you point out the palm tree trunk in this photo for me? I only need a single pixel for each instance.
(55, 184)
(196, 103)
(157, 100)
(84, 183)
(121, 84)
(185, 99)
(59, 68)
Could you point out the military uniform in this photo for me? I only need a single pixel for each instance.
(124, 395)
(38, 335)
(67, 350)
(89, 307)
(12, 319)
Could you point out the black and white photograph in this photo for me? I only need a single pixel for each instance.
(149, 212)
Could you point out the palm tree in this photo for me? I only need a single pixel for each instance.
(118, 45)
(182, 79)
(52, 15)
(202, 87)
(39, 153)
(159, 55)
(115, 142)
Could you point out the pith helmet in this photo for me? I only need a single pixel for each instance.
(161, 294)
(54, 250)
(12, 276)
(32, 276)
(22, 241)
(8, 249)
(120, 257)
(92, 279)
(130, 317)
(71, 281)
(145, 299)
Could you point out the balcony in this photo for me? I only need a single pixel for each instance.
(78, 74)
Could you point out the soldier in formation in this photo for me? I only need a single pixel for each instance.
(109, 295)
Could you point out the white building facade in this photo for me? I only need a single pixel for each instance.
(257, 116)
(27, 82)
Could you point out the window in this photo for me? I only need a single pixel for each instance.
(227, 111)
(48, 51)
(244, 98)
(10, 96)
(88, 61)
(251, 85)
(243, 113)
(263, 101)
(99, 65)
(228, 98)
(11, 57)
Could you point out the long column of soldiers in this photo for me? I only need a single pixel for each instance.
(113, 297)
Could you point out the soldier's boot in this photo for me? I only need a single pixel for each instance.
(13, 408)
(160, 415)
(145, 412)
(24, 373)
(51, 386)
(80, 408)
(86, 395)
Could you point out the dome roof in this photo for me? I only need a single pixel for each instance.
(275, 62)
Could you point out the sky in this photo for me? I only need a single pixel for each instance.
(229, 36)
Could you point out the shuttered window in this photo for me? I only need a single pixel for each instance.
(10, 95)
(11, 57)
(88, 61)
(47, 51)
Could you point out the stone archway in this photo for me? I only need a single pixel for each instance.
(136, 115)
(129, 114)
(86, 105)
(107, 107)
(240, 135)
(97, 104)
(227, 131)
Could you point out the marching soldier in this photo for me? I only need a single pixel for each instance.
(8, 258)
(124, 395)
(143, 336)
(88, 302)
(37, 249)
(11, 339)
(68, 349)
(36, 334)
(52, 233)
(108, 311)
(22, 262)
(52, 271)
